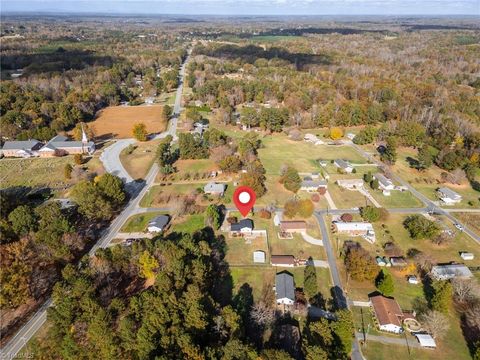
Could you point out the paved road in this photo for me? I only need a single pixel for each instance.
(340, 297)
(136, 189)
(428, 203)
(111, 159)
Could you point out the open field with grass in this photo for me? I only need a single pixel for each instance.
(161, 195)
(397, 199)
(117, 121)
(259, 277)
(347, 199)
(139, 162)
(42, 172)
(471, 219)
(187, 224)
(429, 180)
(239, 252)
(278, 149)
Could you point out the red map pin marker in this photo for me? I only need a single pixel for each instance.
(244, 198)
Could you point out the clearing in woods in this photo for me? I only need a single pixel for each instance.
(118, 121)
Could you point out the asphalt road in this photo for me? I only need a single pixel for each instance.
(429, 204)
(136, 189)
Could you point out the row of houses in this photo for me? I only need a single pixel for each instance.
(58, 146)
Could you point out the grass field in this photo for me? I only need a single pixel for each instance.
(41, 172)
(187, 224)
(429, 180)
(241, 253)
(118, 121)
(347, 199)
(259, 277)
(471, 219)
(397, 199)
(139, 162)
(152, 197)
(278, 149)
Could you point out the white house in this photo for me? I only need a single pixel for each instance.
(158, 224)
(450, 271)
(388, 313)
(344, 165)
(363, 229)
(350, 184)
(284, 289)
(384, 183)
(449, 197)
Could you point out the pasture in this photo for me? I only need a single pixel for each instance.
(117, 121)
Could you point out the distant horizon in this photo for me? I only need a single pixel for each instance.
(246, 7)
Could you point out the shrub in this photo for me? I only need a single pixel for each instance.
(78, 159)
(265, 214)
(315, 198)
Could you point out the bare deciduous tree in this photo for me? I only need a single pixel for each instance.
(457, 176)
(473, 316)
(261, 314)
(424, 261)
(465, 290)
(435, 323)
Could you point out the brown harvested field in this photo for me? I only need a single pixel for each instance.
(118, 121)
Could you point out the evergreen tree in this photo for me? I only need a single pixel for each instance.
(384, 283)
(310, 286)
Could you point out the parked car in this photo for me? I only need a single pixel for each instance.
(412, 279)
(459, 226)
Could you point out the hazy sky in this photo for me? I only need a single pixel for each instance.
(242, 7)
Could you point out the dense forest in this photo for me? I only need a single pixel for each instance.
(172, 298)
(68, 73)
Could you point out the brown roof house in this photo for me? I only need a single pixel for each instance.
(293, 226)
(283, 260)
(388, 314)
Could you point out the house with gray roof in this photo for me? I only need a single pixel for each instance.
(158, 223)
(450, 271)
(448, 196)
(312, 185)
(214, 188)
(384, 183)
(244, 226)
(284, 288)
(25, 149)
(343, 165)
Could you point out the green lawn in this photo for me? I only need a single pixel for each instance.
(278, 149)
(36, 172)
(259, 277)
(152, 197)
(297, 246)
(397, 199)
(429, 180)
(347, 199)
(241, 253)
(138, 223)
(189, 224)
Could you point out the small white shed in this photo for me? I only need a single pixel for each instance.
(259, 256)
